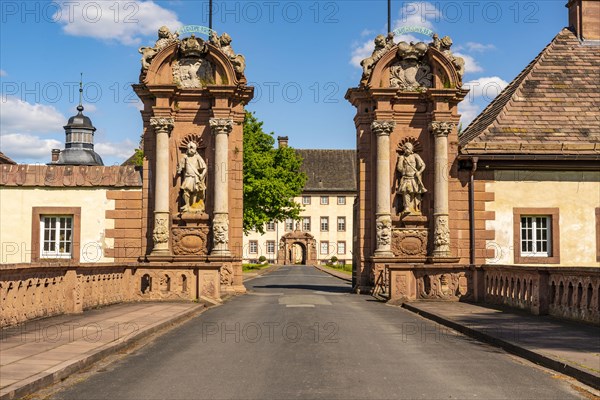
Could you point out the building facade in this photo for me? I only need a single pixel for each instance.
(325, 227)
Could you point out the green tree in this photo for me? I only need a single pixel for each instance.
(272, 178)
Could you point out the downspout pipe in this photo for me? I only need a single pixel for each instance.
(474, 161)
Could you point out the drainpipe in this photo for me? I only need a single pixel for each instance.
(474, 161)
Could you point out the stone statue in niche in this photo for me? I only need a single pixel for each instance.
(410, 167)
(382, 45)
(193, 170)
(224, 43)
(411, 72)
(165, 38)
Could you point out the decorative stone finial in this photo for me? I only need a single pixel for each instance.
(444, 45)
(221, 125)
(441, 128)
(382, 127)
(165, 38)
(382, 45)
(224, 44)
(193, 47)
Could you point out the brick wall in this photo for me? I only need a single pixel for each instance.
(127, 232)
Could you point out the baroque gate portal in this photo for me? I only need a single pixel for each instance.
(293, 243)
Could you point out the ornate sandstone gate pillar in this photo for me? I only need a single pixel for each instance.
(193, 92)
(406, 118)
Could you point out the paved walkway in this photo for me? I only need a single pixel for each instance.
(570, 348)
(41, 352)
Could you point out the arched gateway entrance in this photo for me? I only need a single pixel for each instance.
(298, 248)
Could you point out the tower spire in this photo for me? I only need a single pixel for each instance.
(80, 106)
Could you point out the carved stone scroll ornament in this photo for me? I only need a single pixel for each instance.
(221, 125)
(224, 43)
(411, 72)
(384, 231)
(383, 127)
(161, 231)
(409, 242)
(226, 275)
(190, 241)
(161, 124)
(382, 45)
(165, 38)
(441, 128)
(220, 230)
(442, 233)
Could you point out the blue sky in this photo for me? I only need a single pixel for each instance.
(301, 56)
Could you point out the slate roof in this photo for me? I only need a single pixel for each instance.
(4, 159)
(551, 107)
(329, 170)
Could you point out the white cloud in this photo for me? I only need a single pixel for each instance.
(89, 108)
(479, 47)
(418, 13)
(123, 21)
(485, 87)
(3, 73)
(468, 111)
(121, 150)
(18, 116)
(367, 32)
(470, 64)
(30, 147)
(360, 52)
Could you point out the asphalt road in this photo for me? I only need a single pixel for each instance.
(300, 334)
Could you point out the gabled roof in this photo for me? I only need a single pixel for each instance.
(329, 170)
(551, 107)
(4, 159)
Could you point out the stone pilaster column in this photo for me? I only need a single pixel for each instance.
(221, 127)
(383, 204)
(441, 238)
(160, 235)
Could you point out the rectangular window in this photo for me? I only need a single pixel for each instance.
(289, 224)
(341, 224)
(270, 247)
(324, 200)
(56, 236)
(341, 200)
(305, 200)
(341, 247)
(324, 248)
(253, 247)
(270, 226)
(536, 235)
(306, 224)
(324, 224)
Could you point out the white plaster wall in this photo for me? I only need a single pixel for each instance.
(315, 211)
(16, 206)
(575, 194)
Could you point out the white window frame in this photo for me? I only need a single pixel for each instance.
(253, 247)
(289, 224)
(324, 200)
(324, 250)
(270, 247)
(304, 224)
(270, 226)
(324, 224)
(344, 224)
(305, 200)
(341, 247)
(341, 200)
(56, 240)
(537, 226)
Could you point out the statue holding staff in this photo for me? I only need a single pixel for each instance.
(410, 167)
(193, 170)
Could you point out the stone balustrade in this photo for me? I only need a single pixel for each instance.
(30, 291)
(565, 292)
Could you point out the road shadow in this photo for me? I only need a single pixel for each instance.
(319, 288)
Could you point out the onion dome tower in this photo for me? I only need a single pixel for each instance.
(79, 143)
